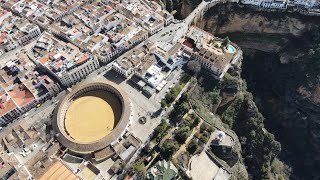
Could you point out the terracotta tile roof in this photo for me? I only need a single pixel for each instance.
(44, 59)
(58, 171)
(2, 38)
(6, 104)
(21, 95)
(83, 58)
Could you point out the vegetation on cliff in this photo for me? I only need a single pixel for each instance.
(259, 146)
(237, 110)
(281, 66)
(182, 7)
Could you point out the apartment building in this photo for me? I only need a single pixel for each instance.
(4, 14)
(34, 11)
(170, 55)
(71, 29)
(22, 88)
(134, 60)
(64, 7)
(306, 6)
(94, 14)
(274, 4)
(117, 34)
(64, 61)
(149, 15)
(15, 31)
(152, 64)
(279, 4)
(125, 66)
(167, 17)
(214, 54)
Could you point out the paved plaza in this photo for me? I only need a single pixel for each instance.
(202, 167)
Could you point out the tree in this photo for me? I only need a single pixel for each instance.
(162, 127)
(215, 96)
(182, 134)
(139, 168)
(205, 136)
(184, 107)
(193, 146)
(169, 147)
(165, 171)
(230, 82)
(277, 167)
(163, 103)
(172, 94)
(194, 66)
(259, 148)
(225, 41)
(169, 97)
(196, 121)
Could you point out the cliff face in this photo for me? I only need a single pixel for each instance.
(281, 71)
(182, 7)
(281, 67)
(228, 18)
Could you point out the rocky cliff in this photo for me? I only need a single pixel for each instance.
(281, 68)
(230, 17)
(182, 7)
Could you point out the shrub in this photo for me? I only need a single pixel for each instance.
(204, 138)
(205, 127)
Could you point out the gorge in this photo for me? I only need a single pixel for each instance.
(281, 67)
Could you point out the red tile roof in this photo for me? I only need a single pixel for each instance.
(108, 8)
(58, 171)
(21, 95)
(83, 58)
(6, 105)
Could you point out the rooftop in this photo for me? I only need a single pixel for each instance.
(21, 84)
(209, 47)
(58, 56)
(58, 171)
(10, 169)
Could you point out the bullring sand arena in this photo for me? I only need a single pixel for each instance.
(90, 117)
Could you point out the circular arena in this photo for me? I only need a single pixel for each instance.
(91, 116)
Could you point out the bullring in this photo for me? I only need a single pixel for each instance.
(91, 117)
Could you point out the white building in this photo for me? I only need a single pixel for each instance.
(123, 67)
(4, 14)
(79, 72)
(63, 60)
(272, 4)
(209, 52)
(15, 31)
